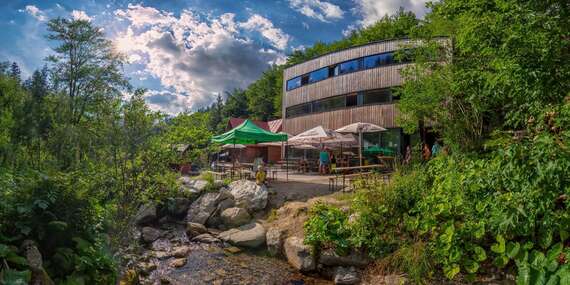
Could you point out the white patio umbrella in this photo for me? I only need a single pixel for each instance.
(361, 128)
(314, 135)
(305, 147)
(233, 146)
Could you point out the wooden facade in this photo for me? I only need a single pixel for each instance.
(382, 115)
(362, 80)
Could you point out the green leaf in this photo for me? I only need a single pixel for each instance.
(451, 270)
(537, 259)
(14, 277)
(523, 273)
(512, 249)
(537, 276)
(479, 253)
(501, 261)
(4, 250)
(499, 246)
(471, 266)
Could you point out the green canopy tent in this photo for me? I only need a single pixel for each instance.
(249, 133)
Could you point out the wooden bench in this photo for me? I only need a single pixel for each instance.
(221, 175)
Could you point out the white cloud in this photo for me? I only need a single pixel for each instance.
(276, 36)
(80, 15)
(167, 102)
(373, 10)
(317, 9)
(35, 12)
(194, 59)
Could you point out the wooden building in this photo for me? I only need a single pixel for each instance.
(348, 86)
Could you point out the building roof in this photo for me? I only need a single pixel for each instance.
(234, 122)
(276, 125)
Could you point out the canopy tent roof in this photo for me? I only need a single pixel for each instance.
(248, 133)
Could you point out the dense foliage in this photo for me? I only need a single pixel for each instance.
(74, 155)
(499, 97)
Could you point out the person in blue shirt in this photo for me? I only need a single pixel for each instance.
(323, 161)
(435, 149)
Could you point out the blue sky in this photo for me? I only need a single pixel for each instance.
(186, 51)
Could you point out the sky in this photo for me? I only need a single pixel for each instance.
(185, 52)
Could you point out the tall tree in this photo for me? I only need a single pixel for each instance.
(236, 104)
(216, 115)
(88, 70)
(15, 72)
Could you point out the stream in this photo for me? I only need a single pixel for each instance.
(214, 263)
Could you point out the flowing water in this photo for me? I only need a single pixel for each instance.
(212, 264)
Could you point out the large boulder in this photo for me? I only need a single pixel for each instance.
(205, 206)
(150, 234)
(235, 217)
(274, 239)
(330, 258)
(192, 186)
(146, 214)
(215, 219)
(346, 276)
(194, 229)
(247, 194)
(299, 255)
(250, 235)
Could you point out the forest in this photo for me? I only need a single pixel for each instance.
(77, 158)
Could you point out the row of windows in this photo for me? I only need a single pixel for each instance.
(372, 61)
(370, 97)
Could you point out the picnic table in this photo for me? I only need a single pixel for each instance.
(345, 172)
(387, 161)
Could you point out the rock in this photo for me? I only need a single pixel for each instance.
(205, 238)
(146, 268)
(181, 251)
(274, 240)
(150, 234)
(299, 254)
(330, 258)
(250, 235)
(247, 194)
(214, 232)
(192, 186)
(346, 276)
(146, 214)
(180, 206)
(205, 206)
(194, 229)
(232, 249)
(394, 279)
(235, 217)
(179, 262)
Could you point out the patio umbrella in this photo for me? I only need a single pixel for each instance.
(233, 146)
(360, 128)
(305, 147)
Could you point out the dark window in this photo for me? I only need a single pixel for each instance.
(319, 75)
(386, 58)
(349, 66)
(372, 61)
(329, 104)
(332, 71)
(294, 83)
(351, 100)
(298, 110)
(376, 97)
(305, 79)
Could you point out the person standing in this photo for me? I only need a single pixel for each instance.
(435, 149)
(426, 153)
(408, 155)
(323, 161)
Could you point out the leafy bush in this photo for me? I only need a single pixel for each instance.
(508, 209)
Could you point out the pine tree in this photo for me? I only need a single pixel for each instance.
(15, 72)
(216, 115)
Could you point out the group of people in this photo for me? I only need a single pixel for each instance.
(427, 152)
